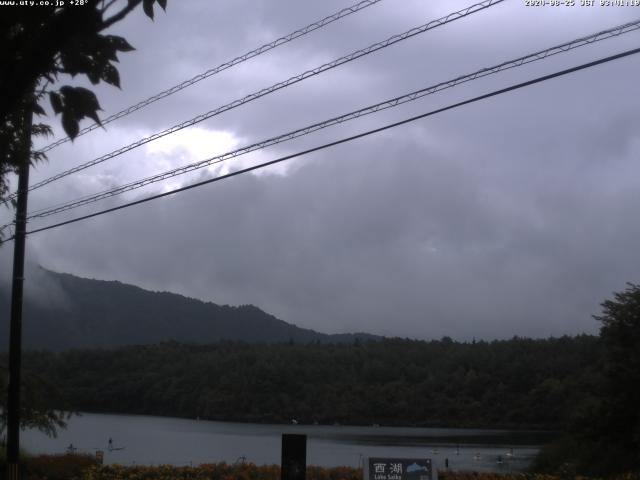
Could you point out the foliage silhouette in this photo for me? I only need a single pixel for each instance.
(40, 44)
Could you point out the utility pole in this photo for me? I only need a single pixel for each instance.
(15, 328)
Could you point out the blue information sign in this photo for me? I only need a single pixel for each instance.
(398, 469)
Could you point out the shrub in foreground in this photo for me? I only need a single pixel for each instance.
(526, 476)
(219, 471)
(58, 467)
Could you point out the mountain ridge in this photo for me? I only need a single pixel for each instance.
(63, 311)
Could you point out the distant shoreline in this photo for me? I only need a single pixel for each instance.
(506, 429)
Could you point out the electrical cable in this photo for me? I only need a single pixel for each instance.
(223, 66)
(344, 140)
(540, 55)
(261, 93)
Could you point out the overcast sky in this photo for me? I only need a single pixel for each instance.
(513, 216)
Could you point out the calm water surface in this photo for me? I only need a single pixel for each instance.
(147, 440)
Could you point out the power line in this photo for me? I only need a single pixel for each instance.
(347, 139)
(10, 227)
(223, 66)
(539, 55)
(265, 91)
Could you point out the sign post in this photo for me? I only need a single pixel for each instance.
(294, 457)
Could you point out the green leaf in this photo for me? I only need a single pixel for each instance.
(41, 129)
(80, 98)
(108, 52)
(119, 43)
(80, 102)
(101, 47)
(93, 115)
(70, 125)
(75, 62)
(56, 102)
(147, 6)
(110, 75)
(94, 76)
(38, 110)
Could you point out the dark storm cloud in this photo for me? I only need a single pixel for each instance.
(507, 217)
(379, 241)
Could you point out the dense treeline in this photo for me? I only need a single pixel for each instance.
(604, 435)
(512, 383)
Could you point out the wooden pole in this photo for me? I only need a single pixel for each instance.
(15, 328)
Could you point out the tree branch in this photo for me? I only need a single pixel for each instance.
(107, 6)
(120, 15)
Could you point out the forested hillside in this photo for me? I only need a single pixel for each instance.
(514, 383)
(63, 311)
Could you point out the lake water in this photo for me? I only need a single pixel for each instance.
(146, 440)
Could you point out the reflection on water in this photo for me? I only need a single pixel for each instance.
(157, 440)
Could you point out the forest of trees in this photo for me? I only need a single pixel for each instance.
(584, 389)
(518, 383)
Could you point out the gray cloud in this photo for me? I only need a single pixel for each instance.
(513, 216)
